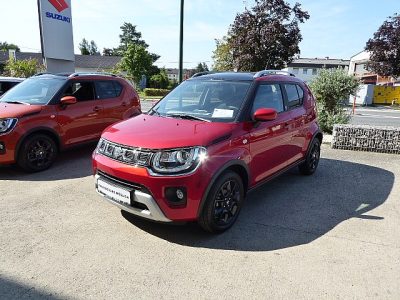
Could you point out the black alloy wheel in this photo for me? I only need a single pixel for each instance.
(37, 153)
(311, 163)
(223, 203)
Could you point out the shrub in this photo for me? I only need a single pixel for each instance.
(330, 88)
(23, 68)
(156, 92)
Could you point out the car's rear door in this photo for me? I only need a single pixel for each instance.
(270, 141)
(117, 103)
(82, 121)
(294, 96)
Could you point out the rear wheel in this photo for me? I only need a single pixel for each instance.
(223, 203)
(37, 153)
(311, 163)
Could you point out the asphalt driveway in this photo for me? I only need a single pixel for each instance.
(332, 235)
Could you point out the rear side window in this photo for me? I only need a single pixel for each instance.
(108, 89)
(118, 88)
(294, 94)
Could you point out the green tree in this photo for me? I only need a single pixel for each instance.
(160, 80)
(266, 36)
(130, 36)
(23, 68)
(87, 48)
(222, 56)
(4, 46)
(84, 47)
(385, 48)
(136, 61)
(201, 67)
(93, 50)
(331, 88)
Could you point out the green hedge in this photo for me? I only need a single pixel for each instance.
(155, 92)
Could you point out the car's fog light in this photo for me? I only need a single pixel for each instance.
(2, 148)
(176, 196)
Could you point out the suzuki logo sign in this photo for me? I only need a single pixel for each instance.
(60, 5)
(56, 30)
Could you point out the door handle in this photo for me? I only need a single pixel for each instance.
(96, 108)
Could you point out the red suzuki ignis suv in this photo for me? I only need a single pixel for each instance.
(200, 149)
(48, 113)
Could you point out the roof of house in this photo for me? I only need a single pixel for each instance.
(319, 61)
(81, 61)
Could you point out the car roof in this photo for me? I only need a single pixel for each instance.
(11, 79)
(67, 76)
(267, 75)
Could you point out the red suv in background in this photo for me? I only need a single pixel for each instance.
(47, 113)
(200, 149)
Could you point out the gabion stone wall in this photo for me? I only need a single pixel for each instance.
(366, 138)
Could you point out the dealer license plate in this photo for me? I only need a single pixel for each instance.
(113, 192)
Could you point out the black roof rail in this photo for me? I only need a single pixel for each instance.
(202, 74)
(76, 74)
(273, 72)
(42, 73)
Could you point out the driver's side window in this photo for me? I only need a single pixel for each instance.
(268, 96)
(82, 91)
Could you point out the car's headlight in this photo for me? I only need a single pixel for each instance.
(178, 161)
(7, 124)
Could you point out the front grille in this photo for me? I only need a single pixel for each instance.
(125, 154)
(118, 181)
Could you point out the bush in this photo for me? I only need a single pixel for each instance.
(330, 88)
(23, 68)
(156, 92)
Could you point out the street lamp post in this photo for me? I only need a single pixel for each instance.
(181, 44)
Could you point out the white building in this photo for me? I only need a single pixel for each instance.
(358, 63)
(307, 68)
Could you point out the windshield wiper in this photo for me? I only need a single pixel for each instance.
(187, 117)
(154, 111)
(16, 102)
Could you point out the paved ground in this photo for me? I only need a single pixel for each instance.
(333, 235)
(378, 116)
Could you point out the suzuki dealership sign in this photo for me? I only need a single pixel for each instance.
(56, 30)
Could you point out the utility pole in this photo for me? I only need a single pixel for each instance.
(181, 43)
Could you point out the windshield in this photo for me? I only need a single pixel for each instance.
(33, 91)
(213, 101)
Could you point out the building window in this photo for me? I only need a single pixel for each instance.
(305, 71)
(314, 71)
(295, 71)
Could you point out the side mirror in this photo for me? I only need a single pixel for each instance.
(68, 100)
(265, 114)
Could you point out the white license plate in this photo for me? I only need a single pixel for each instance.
(114, 192)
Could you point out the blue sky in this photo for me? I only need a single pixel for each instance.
(337, 28)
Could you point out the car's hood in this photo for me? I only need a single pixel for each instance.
(9, 110)
(154, 132)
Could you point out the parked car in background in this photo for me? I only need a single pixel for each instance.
(48, 113)
(199, 150)
(7, 83)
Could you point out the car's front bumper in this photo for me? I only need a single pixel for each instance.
(152, 190)
(149, 210)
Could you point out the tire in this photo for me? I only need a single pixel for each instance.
(223, 203)
(311, 163)
(37, 153)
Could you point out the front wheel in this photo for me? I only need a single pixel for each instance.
(37, 153)
(309, 166)
(223, 203)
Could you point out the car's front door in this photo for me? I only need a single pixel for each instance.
(81, 121)
(270, 141)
